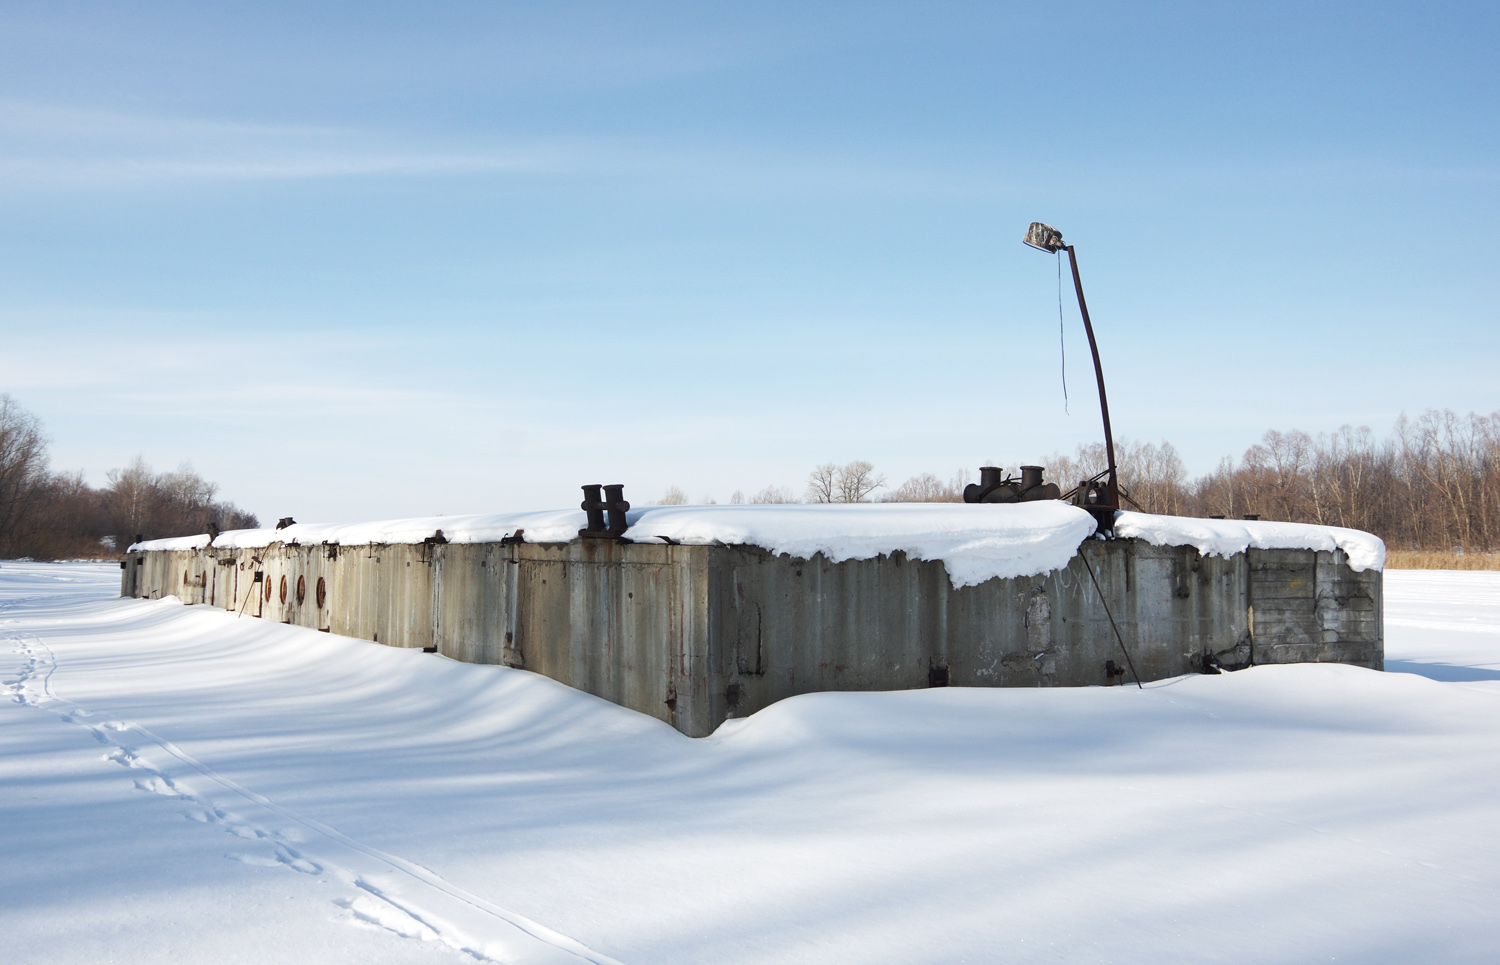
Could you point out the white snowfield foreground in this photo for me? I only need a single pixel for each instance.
(975, 543)
(183, 786)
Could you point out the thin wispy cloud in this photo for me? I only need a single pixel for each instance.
(135, 170)
(67, 147)
(63, 146)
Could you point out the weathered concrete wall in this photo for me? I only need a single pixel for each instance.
(695, 634)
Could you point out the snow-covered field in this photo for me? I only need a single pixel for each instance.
(179, 785)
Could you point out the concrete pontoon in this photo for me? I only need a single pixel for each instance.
(696, 632)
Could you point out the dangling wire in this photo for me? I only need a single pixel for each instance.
(1062, 343)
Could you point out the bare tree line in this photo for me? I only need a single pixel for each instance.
(852, 482)
(1432, 484)
(53, 515)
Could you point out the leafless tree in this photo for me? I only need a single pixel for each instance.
(1068, 471)
(66, 521)
(1432, 484)
(852, 482)
(139, 501)
(130, 499)
(52, 515)
(774, 494)
(1279, 465)
(1153, 475)
(23, 467)
(1346, 464)
(856, 481)
(1216, 494)
(822, 483)
(927, 488)
(673, 497)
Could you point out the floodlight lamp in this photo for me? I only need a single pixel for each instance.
(1043, 237)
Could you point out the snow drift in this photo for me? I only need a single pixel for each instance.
(181, 785)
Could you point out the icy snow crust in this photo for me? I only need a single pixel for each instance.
(974, 542)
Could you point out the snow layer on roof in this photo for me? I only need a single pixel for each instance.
(198, 542)
(1226, 537)
(974, 542)
(555, 526)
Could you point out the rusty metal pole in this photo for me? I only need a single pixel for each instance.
(1109, 439)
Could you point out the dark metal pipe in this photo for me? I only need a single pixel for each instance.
(990, 479)
(1088, 326)
(617, 507)
(593, 505)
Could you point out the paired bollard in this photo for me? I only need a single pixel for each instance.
(995, 487)
(612, 503)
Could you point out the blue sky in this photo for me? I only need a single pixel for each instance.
(375, 260)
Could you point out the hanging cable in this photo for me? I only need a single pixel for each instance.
(1112, 624)
(1062, 344)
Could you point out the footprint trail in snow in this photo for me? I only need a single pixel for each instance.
(389, 891)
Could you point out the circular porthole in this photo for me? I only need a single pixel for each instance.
(283, 589)
(268, 590)
(322, 593)
(301, 588)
